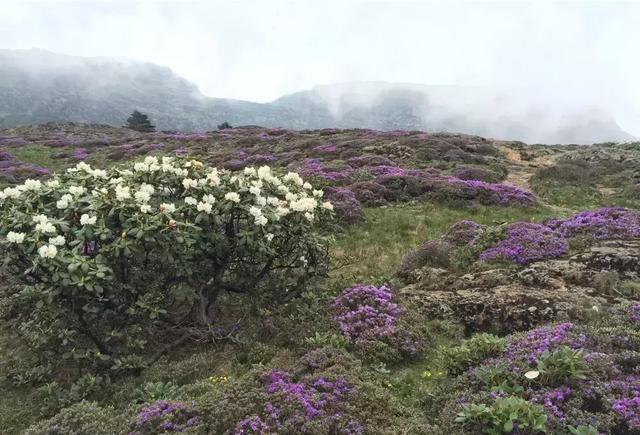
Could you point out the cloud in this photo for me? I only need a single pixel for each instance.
(563, 54)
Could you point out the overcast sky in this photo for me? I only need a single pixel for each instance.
(584, 53)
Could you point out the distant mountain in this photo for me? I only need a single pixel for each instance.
(37, 86)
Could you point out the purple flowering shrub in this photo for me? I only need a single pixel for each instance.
(603, 223)
(369, 318)
(165, 417)
(345, 204)
(525, 243)
(582, 375)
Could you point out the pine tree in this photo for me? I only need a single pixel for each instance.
(140, 122)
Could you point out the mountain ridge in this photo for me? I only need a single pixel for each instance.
(38, 86)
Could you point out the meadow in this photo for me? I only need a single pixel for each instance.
(369, 283)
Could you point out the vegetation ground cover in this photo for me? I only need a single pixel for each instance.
(361, 349)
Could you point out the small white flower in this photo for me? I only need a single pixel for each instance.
(57, 241)
(269, 237)
(249, 171)
(291, 197)
(150, 160)
(254, 190)
(12, 192)
(205, 207)
(255, 211)
(209, 199)
(303, 204)
(48, 251)
(190, 200)
(40, 219)
(15, 237)
(53, 183)
(122, 193)
(261, 220)
(189, 183)
(85, 219)
(309, 216)
(232, 196)
(261, 201)
(141, 167)
(100, 173)
(264, 172)
(327, 205)
(167, 208)
(213, 178)
(32, 185)
(46, 227)
(142, 196)
(77, 190)
(532, 374)
(307, 186)
(318, 193)
(145, 208)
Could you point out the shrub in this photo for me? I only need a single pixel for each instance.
(473, 351)
(163, 417)
(505, 415)
(370, 193)
(603, 223)
(80, 419)
(109, 259)
(472, 173)
(525, 243)
(368, 317)
(140, 122)
(347, 208)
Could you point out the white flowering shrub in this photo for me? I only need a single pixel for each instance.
(115, 261)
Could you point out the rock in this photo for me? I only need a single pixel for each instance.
(510, 299)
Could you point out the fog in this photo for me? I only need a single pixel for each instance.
(541, 54)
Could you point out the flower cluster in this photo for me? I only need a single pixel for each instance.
(603, 223)
(295, 406)
(164, 416)
(367, 314)
(527, 242)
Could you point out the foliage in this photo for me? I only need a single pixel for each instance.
(163, 417)
(79, 419)
(140, 122)
(223, 126)
(505, 415)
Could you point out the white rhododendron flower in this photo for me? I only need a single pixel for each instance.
(307, 186)
(167, 208)
(48, 251)
(327, 205)
(15, 237)
(255, 211)
(46, 227)
(532, 374)
(249, 171)
(232, 196)
(145, 208)
(264, 172)
(64, 201)
(213, 178)
(190, 200)
(272, 200)
(318, 193)
(309, 216)
(261, 220)
(12, 192)
(261, 201)
(209, 199)
(33, 185)
(57, 241)
(254, 190)
(205, 207)
(269, 237)
(77, 190)
(293, 176)
(189, 183)
(303, 204)
(85, 219)
(40, 219)
(142, 196)
(100, 173)
(122, 193)
(53, 183)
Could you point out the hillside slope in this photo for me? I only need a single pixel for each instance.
(38, 86)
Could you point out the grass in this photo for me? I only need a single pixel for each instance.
(38, 155)
(374, 249)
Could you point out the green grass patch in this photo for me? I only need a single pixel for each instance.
(374, 249)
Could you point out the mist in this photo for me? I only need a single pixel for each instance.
(521, 59)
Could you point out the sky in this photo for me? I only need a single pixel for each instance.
(573, 52)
